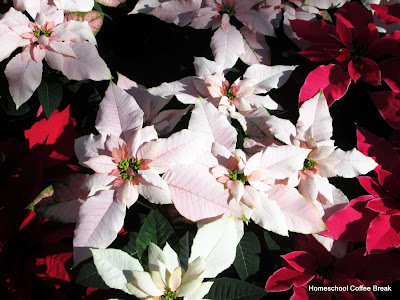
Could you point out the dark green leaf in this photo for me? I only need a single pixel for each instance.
(155, 229)
(247, 261)
(233, 289)
(185, 244)
(50, 96)
(272, 245)
(88, 276)
(130, 248)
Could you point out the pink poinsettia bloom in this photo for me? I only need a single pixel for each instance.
(122, 154)
(242, 95)
(354, 41)
(314, 131)
(66, 46)
(373, 218)
(316, 274)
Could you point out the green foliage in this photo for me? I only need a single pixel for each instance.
(247, 262)
(233, 289)
(272, 245)
(155, 229)
(130, 247)
(88, 276)
(50, 95)
(185, 243)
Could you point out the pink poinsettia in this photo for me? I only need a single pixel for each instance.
(315, 274)
(242, 95)
(66, 46)
(122, 155)
(314, 131)
(374, 218)
(354, 41)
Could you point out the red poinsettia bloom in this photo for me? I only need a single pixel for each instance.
(354, 41)
(374, 218)
(313, 267)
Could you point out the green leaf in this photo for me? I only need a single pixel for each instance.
(88, 276)
(247, 261)
(185, 244)
(130, 248)
(155, 229)
(272, 245)
(50, 96)
(233, 289)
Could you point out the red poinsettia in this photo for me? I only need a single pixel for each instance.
(354, 42)
(311, 269)
(374, 218)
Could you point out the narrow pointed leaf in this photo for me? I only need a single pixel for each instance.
(155, 229)
(233, 289)
(247, 261)
(50, 96)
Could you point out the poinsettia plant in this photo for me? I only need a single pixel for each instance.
(170, 149)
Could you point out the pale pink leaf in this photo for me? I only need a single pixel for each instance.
(74, 5)
(206, 118)
(282, 129)
(184, 90)
(102, 164)
(183, 147)
(64, 203)
(301, 215)
(9, 41)
(352, 163)
(88, 146)
(197, 195)
(94, 18)
(227, 46)
(268, 215)
(24, 77)
(119, 113)
(100, 220)
(146, 6)
(266, 78)
(87, 65)
(203, 66)
(314, 114)
(276, 162)
(177, 11)
(74, 31)
(256, 49)
(153, 188)
(98, 182)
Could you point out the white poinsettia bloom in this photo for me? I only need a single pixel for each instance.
(167, 280)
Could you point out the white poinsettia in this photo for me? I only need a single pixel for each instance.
(166, 279)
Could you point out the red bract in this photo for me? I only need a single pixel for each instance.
(389, 14)
(313, 266)
(354, 41)
(375, 218)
